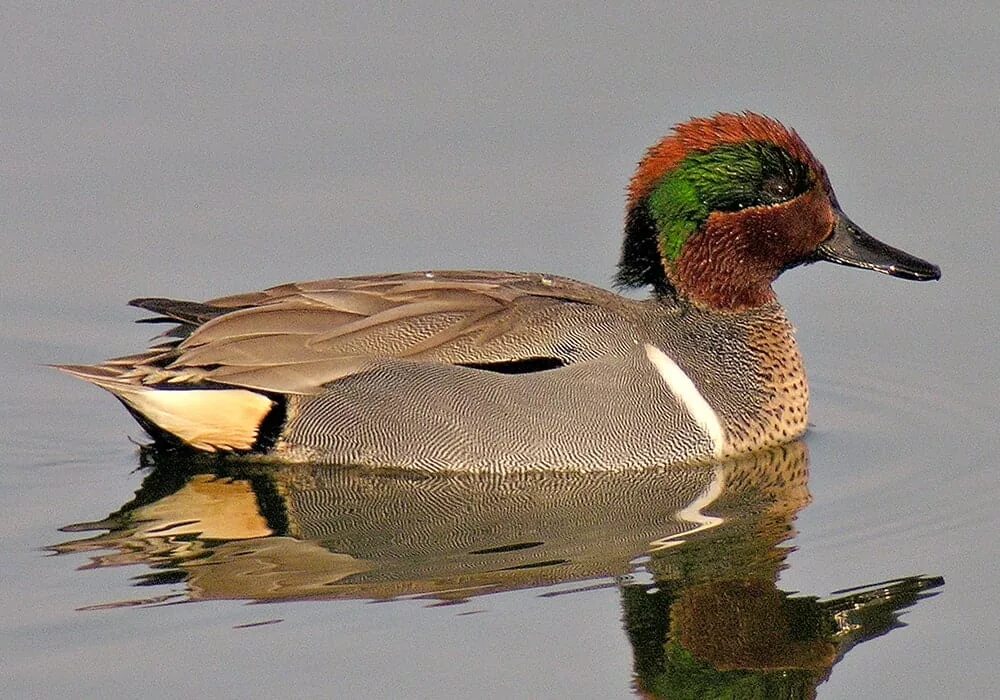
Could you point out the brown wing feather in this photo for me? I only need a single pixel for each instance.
(295, 338)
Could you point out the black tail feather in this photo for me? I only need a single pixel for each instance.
(173, 310)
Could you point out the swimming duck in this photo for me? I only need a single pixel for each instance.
(502, 371)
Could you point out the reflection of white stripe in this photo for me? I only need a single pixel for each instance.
(688, 395)
(692, 513)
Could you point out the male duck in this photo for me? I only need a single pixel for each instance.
(509, 371)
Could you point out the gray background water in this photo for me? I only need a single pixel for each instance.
(194, 151)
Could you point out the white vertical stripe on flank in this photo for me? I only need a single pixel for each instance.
(688, 395)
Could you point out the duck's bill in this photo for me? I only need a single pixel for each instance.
(849, 245)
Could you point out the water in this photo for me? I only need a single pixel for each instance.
(195, 153)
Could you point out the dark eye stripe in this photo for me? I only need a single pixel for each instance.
(783, 178)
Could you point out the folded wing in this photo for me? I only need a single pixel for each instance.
(297, 338)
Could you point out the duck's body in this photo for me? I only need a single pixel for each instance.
(513, 371)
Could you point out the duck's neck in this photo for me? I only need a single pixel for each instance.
(718, 273)
(696, 274)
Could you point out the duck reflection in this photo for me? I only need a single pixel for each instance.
(695, 553)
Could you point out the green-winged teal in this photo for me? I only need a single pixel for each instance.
(510, 371)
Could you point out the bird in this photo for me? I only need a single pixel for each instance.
(489, 371)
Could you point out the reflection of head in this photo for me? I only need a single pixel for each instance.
(748, 624)
(744, 638)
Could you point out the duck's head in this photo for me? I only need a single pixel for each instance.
(721, 206)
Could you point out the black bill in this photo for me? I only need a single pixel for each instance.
(849, 245)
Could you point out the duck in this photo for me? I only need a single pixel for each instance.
(488, 371)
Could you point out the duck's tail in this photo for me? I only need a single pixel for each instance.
(206, 419)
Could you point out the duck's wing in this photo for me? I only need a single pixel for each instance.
(296, 338)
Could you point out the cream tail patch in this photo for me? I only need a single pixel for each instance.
(207, 419)
(689, 397)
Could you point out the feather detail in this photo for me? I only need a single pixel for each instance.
(206, 419)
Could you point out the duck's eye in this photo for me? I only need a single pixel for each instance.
(776, 187)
